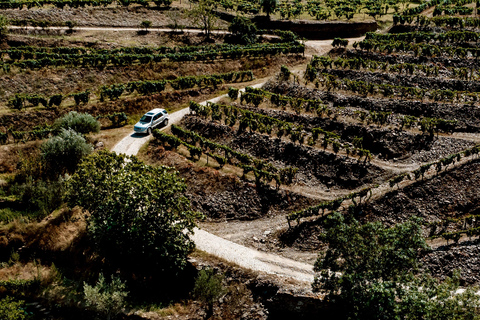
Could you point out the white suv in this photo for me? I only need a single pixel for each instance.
(150, 120)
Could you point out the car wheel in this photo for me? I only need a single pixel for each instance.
(149, 130)
(165, 122)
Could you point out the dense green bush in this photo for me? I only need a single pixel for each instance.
(11, 309)
(370, 271)
(61, 154)
(244, 29)
(139, 217)
(287, 35)
(80, 122)
(233, 93)
(3, 26)
(269, 6)
(285, 73)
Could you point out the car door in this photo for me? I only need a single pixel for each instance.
(156, 119)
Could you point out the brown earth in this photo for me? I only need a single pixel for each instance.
(223, 196)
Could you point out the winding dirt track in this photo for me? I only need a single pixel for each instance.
(242, 256)
(252, 259)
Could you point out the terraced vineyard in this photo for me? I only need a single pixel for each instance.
(384, 131)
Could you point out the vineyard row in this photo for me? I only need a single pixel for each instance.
(265, 124)
(263, 171)
(144, 87)
(366, 193)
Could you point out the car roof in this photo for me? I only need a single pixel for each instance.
(154, 111)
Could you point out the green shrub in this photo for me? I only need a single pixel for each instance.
(55, 100)
(146, 24)
(81, 97)
(11, 309)
(233, 93)
(42, 196)
(244, 29)
(285, 73)
(70, 25)
(287, 35)
(17, 102)
(339, 42)
(139, 217)
(208, 288)
(105, 298)
(79, 122)
(61, 154)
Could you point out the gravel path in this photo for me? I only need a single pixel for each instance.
(242, 256)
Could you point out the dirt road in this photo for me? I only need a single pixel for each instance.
(242, 256)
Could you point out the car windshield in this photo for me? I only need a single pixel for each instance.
(146, 119)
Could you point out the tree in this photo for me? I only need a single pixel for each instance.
(70, 24)
(145, 25)
(244, 29)
(203, 16)
(139, 217)
(269, 6)
(80, 122)
(367, 272)
(175, 16)
(208, 289)
(62, 153)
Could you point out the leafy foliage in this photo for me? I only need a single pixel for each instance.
(34, 57)
(11, 309)
(62, 153)
(208, 286)
(80, 122)
(339, 42)
(42, 196)
(367, 272)
(145, 24)
(269, 6)
(233, 93)
(264, 171)
(139, 217)
(203, 15)
(105, 298)
(244, 29)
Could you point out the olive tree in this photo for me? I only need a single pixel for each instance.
(80, 122)
(62, 153)
(269, 6)
(138, 216)
(368, 272)
(203, 16)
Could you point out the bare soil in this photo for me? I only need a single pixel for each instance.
(388, 143)
(222, 196)
(111, 16)
(316, 168)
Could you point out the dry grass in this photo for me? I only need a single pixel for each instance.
(177, 310)
(12, 154)
(57, 232)
(110, 137)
